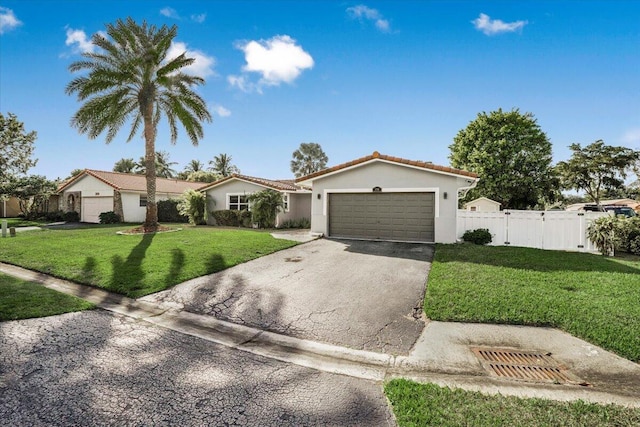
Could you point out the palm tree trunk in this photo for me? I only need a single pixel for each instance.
(151, 219)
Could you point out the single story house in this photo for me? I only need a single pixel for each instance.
(387, 198)
(9, 207)
(92, 192)
(482, 204)
(231, 193)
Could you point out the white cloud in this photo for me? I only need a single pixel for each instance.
(219, 110)
(362, 12)
(490, 26)
(632, 136)
(278, 60)
(79, 41)
(199, 18)
(169, 13)
(203, 64)
(8, 20)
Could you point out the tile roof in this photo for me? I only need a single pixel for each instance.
(274, 184)
(376, 155)
(134, 182)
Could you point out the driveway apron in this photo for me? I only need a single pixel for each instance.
(359, 294)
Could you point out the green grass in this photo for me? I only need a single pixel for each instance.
(430, 405)
(135, 265)
(21, 222)
(590, 296)
(20, 299)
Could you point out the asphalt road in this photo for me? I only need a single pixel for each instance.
(95, 368)
(359, 294)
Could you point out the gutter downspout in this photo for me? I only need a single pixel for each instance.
(462, 193)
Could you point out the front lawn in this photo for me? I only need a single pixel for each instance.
(430, 405)
(590, 296)
(23, 300)
(21, 222)
(135, 265)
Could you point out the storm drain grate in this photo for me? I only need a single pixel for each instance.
(524, 365)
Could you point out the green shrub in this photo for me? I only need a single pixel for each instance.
(615, 233)
(231, 218)
(168, 211)
(54, 216)
(296, 223)
(109, 217)
(192, 206)
(479, 236)
(265, 206)
(71, 216)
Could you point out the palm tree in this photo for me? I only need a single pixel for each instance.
(307, 159)
(222, 165)
(265, 206)
(162, 164)
(125, 166)
(131, 79)
(194, 166)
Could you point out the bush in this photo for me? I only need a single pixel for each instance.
(265, 206)
(109, 218)
(168, 211)
(71, 216)
(479, 236)
(296, 223)
(54, 216)
(231, 218)
(192, 206)
(615, 233)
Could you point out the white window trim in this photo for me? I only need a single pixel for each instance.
(436, 190)
(286, 199)
(227, 196)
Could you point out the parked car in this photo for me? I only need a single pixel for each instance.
(621, 210)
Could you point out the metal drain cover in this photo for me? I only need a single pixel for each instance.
(524, 365)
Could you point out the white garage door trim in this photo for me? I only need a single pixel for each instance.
(106, 206)
(325, 196)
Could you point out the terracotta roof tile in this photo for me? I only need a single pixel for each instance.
(376, 155)
(275, 184)
(134, 182)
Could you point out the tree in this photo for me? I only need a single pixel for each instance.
(307, 159)
(163, 165)
(192, 166)
(192, 205)
(125, 166)
(203, 176)
(32, 192)
(75, 172)
(512, 156)
(131, 79)
(265, 206)
(597, 168)
(16, 147)
(222, 165)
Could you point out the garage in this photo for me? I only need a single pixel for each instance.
(407, 216)
(92, 207)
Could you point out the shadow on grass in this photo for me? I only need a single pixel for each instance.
(127, 275)
(533, 259)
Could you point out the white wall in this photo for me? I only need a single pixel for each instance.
(90, 187)
(131, 208)
(391, 177)
(483, 205)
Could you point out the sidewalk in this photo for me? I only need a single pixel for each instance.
(442, 355)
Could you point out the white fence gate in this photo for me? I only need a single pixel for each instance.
(558, 230)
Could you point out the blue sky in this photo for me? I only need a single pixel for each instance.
(398, 77)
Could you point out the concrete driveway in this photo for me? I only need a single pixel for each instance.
(358, 294)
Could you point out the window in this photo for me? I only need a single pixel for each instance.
(238, 202)
(473, 208)
(285, 201)
(143, 201)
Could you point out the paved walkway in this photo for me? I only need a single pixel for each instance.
(442, 355)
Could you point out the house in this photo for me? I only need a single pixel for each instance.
(9, 207)
(387, 198)
(231, 193)
(482, 204)
(92, 192)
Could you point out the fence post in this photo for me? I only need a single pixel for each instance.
(4, 228)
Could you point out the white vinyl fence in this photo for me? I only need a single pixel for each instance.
(558, 230)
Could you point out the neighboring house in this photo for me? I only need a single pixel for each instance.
(231, 193)
(633, 204)
(9, 207)
(92, 192)
(387, 198)
(482, 204)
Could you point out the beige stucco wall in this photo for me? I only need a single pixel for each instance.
(10, 207)
(131, 208)
(391, 177)
(299, 204)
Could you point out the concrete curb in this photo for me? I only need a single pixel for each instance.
(321, 356)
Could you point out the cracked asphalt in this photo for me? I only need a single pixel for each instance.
(359, 294)
(98, 368)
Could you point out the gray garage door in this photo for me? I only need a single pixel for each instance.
(382, 216)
